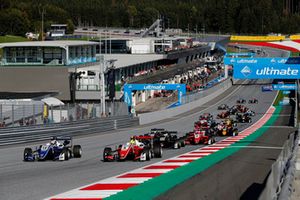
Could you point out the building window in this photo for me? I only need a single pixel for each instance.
(53, 55)
(20, 55)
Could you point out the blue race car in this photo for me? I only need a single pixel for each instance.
(59, 148)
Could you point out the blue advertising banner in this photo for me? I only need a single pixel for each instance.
(284, 86)
(256, 60)
(265, 71)
(128, 88)
(267, 88)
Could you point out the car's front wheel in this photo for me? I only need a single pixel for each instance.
(27, 153)
(77, 151)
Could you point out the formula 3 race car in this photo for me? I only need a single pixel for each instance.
(199, 137)
(59, 148)
(241, 101)
(223, 107)
(250, 113)
(223, 115)
(233, 110)
(206, 116)
(243, 118)
(224, 130)
(253, 100)
(167, 139)
(242, 108)
(136, 151)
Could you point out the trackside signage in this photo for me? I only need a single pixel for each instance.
(262, 61)
(284, 86)
(128, 88)
(257, 71)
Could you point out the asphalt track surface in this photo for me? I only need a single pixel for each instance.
(38, 180)
(242, 175)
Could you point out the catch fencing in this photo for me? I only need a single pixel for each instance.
(278, 186)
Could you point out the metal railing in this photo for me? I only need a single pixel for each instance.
(17, 135)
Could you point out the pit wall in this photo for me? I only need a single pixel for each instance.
(212, 93)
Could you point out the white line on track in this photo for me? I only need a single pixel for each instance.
(257, 147)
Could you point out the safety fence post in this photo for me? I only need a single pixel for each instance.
(52, 117)
(68, 112)
(60, 113)
(13, 115)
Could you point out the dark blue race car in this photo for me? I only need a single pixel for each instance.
(59, 148)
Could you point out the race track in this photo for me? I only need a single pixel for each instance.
(38, 180)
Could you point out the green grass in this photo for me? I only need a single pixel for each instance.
(235, 50)
(12, 38)
(294, 54)
(278, 98)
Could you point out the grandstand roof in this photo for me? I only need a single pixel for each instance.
(56, 43)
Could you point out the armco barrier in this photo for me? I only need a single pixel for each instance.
(19, 135)
(278, 185)
(211, 93)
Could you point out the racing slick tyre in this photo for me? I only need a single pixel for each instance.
(157, 149)
(177, 145)
(235, 132)
(250, 121)
(107, 151)
(182, 143)
(27, 152)
(66, 153)
(148, 154)
(77, 151)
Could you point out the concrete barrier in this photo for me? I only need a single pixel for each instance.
(212, 93)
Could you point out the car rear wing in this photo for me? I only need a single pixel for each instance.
(61, 138)
(172, 132)
(158, 129)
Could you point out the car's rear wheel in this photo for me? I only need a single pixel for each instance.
(235, 132)
(107, 152)
(157, 149)
(77, 151)
(66, 153)
(182, 143)
(148, 154)
(27, 152)
(177, 145)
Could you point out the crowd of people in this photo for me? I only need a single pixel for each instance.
(27, 122)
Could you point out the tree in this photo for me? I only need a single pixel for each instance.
(14, 22)
(132, 12)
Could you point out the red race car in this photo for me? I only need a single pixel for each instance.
(201, 124)
(206, 116)
(133, 150)
(242, 108)
(223, 115)
(199, 137)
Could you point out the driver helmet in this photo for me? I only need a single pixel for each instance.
(53, 142)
